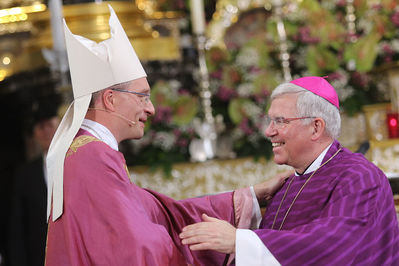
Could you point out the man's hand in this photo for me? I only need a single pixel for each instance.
(265, 191)
(211, 234)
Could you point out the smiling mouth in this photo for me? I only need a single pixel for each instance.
(277, 144)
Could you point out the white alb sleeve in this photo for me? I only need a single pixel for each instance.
(250, 250)
(256, 215)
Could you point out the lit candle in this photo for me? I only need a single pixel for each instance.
(197, 16)
(393, 125)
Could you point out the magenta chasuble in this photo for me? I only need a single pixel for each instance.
(344, 216)
(108, 220)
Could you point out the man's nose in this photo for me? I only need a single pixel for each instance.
(150, 110)
(270, 130)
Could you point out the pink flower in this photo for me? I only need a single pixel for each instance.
(341, 3)
(305, 36)
(395, 18)
(225, 94)
(360, 79)
(176, 132)
(182, 142)
(244, 126)
(388, 53)
(232, 45)
(190, 132)
(162, 115)
(387, 48)
(334, 76)
(183, 91)
(217, 74)
(262, 97)
(255, 69)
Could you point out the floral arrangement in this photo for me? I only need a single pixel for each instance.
(321, 45)
(170, 130)
(243, 76)
(241, 81)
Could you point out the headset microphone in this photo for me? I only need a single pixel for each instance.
(130, 122)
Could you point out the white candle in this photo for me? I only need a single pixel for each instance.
(197, 16)
(57, 31)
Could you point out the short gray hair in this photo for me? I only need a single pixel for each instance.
(310, 104)
(97, 94)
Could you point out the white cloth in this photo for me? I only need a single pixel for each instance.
(101, 132)
(250, 250)
(256, 215)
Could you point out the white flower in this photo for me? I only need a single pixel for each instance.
(174, 84)
(328, 4)
(366, 25)
(381, 45)
(296, 14)
(170, 89)
(254, 138)
(252, 110)
(245, 89)
(164, 140)
(237, 133)
(214, 85)
(251, 76)
(248, 57)
(344, 92)
(300, 54)
(395, 45)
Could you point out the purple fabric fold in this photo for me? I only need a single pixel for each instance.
(344, 216)
(108, 220)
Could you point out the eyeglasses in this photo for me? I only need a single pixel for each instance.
(280, 122)
(144, 97)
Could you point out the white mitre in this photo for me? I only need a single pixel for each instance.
(93, 66)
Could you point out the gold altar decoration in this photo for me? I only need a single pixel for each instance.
(228, 11)
(393, 78)
(225, 15)
(376, 121)
(28, 30)
(15, 21)
(196, 179)
(91, 21)
(388, 73)
(385, 154)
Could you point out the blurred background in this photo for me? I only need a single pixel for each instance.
(212, 65)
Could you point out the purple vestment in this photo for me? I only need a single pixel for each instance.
(344, 216)
(108, 220)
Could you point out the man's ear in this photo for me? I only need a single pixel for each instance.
(318, 127)
(108, 99)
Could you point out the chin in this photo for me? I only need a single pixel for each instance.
(138, 135)
(279, 160)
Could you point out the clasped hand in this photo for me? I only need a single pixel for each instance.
(219, 235)
(211, 234)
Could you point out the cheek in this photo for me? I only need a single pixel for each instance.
(298, 142)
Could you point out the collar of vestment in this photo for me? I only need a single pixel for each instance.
(101, 132)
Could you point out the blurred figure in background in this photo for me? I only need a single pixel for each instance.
(28, 224)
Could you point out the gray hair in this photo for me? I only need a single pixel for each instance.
(95, 95)
(310, 104)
